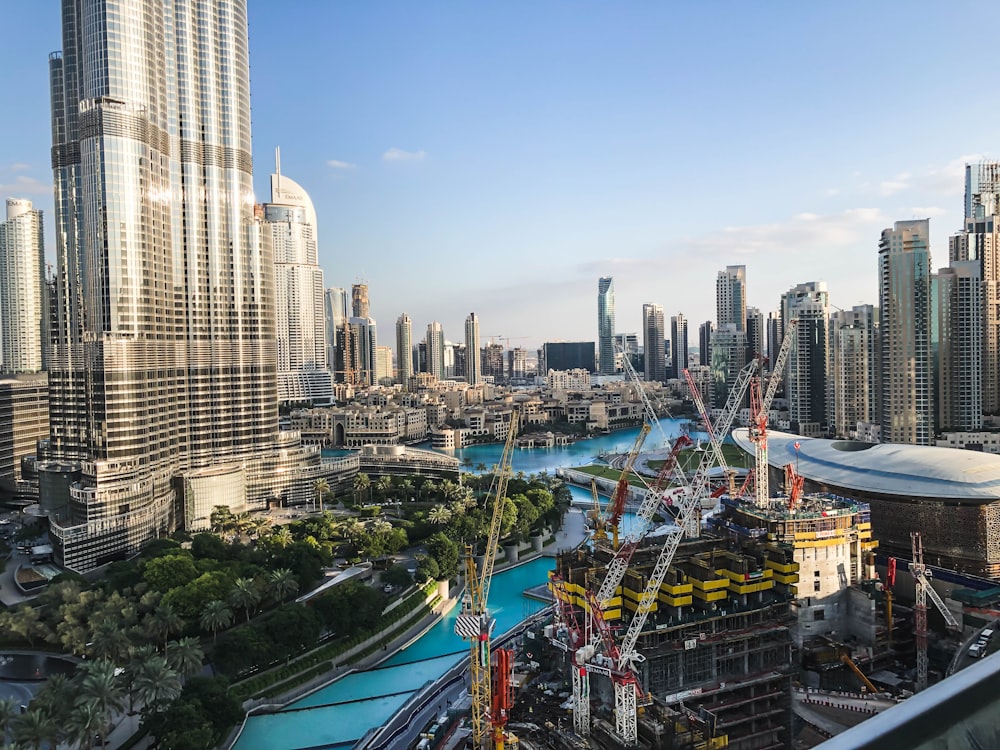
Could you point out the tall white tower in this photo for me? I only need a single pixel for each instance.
(473, 359)
(23, 306)
(300, 320)
(404, 351)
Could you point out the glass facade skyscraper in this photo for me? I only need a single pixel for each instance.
(606, 325)
(23, 304)
(164, 358)
(473, 357)
(654, 344)
(404, 351)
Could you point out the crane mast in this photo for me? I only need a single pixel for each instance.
(921, 579)
(474, 623)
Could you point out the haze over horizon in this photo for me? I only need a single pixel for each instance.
(499, 159)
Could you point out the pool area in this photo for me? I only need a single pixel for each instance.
(338, 715)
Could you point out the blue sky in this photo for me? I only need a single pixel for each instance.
(499, 158)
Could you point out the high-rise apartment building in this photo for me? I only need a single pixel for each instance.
(960, 347)
(517, 363)
(473, 360)
(678, 345)
(300, 318)
(404, 351)
(756, 333)
(435, 350)
(980, 242)
(361, 349)
(729, 351)
(853, 336)
(705, 331)
(654, 343)
(336, 331)
(906, 369)
(23, 292)
(731, 297)
(775, 335)
(383, 365)
(24, 420)
(491, 357)
(807, 308)
(567, 355)
(606, 325)
(163, 368)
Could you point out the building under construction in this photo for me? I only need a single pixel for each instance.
(717, 644)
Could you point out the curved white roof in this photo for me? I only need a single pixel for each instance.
(909, 470)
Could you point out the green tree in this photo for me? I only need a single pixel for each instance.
(349, 608)
(109, 641)
(281, 536)
(362, 482)
(100, 686)
(156, 684)
(9, 708)
(427, 568)
(291, 628)
(138, 655)
(281, 584)
(439, 515)
(216, 616)
(397, 575)
(445, 553)
(163, 622)
(189, 601)
(208, 546)
(322, 488)
(83, 721)
(169, 571)
(185, 656)
(222, 519)
(33, 727)
(245, 595)
(382, 485)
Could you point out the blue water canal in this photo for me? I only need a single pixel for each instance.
(338, 715)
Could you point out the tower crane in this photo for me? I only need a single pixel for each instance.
(922, 580)
(760, 405)
(617, 507)
(599, 517)
(619, 662)
(474, 623)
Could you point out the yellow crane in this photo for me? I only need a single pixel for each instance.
(597, 515)
(474, 623)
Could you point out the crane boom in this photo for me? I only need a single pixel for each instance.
(706, 420)
(474, 623)
(759, 408)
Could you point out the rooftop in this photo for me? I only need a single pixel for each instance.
(886, 469)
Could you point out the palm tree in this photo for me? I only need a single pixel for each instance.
(156, 683)
(163, 622)
(406, 487)
(53, 697)
(439, 515)
(100, 686)
(322, 488)
(34, 727)
(351, 528)
(383, 484)
(361, 483)
(381, 528)
(216, 616)
(9, 708)
(481, 467)
(138, 656)
(82, 723)
(109, 641)
(185, 656)
(281, 584)
(245, 595)
(281, 536)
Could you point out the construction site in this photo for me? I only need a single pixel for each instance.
(717, 615)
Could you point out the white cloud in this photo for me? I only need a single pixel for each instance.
(927, 212)
(19, 167)
(950, 178)
(338, 164)
(23, 185)
(895, 185)
(398, 154)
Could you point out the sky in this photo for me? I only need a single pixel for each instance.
(499, 158)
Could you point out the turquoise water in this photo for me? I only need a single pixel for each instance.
(341, 713)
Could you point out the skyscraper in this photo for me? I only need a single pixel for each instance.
(906, 367)
(960, 347)
(359, 300)
(336, 331)
(854, 347)
(606, 326)
(678, 345)
(435, 350)
(361, 351)
(980, 242)
(654, 343)
(23, 306)
(473, 360)
(163, 372)
(404, 351)
(300, 319)
(731, 297)
(775, 335)
(705, 331)
(756, 334)
(807, 308)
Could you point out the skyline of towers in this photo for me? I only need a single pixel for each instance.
(473, 359)
(906, 369)
(163, 367)
(335, 308)
(654, 343)
(606, 325)
(678, 345)
(23, 290)
(300, 305)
